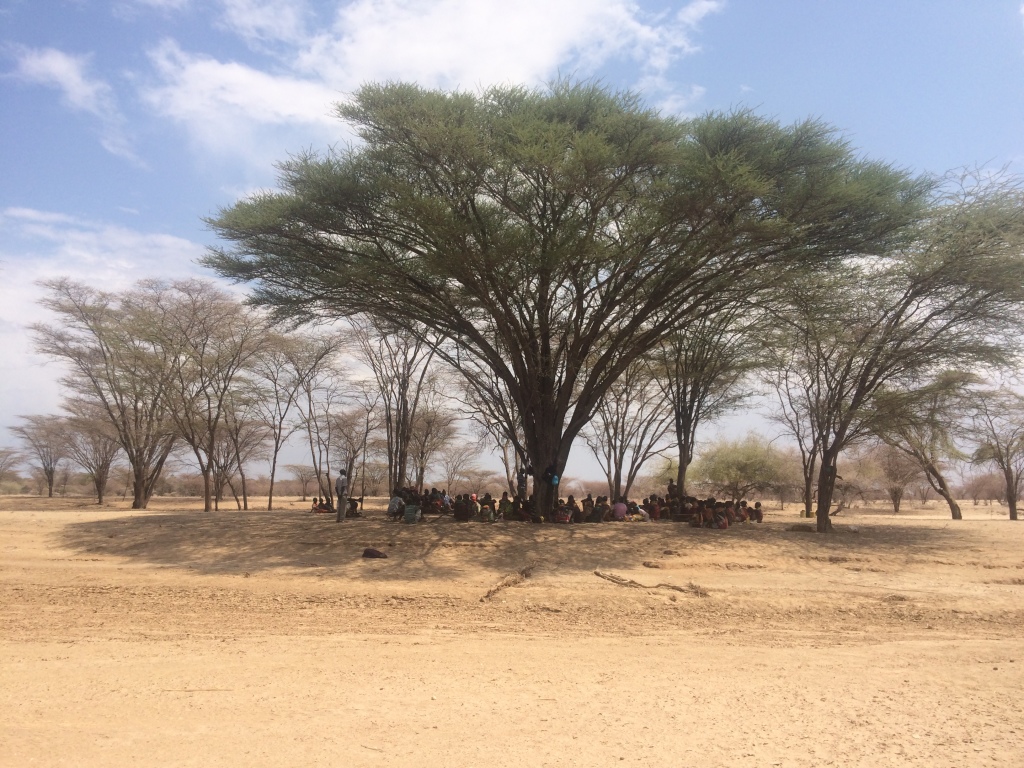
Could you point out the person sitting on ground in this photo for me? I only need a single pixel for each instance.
(353, 508)
(461, 509)
(396, 507)
(505, 507)
(316, 504)
(575, 513)
(619, 510)
(588, 506)
(757, 514)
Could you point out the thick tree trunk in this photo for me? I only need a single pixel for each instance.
(140, 500)
(207, 491)
(826, 487)
(938, 482)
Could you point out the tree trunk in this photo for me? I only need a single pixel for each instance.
(1011, 493)
(207, 491)
(139, 500)
(826, 486)
(938, 482)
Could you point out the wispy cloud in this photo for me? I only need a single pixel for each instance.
(79, 91)
(227, 105)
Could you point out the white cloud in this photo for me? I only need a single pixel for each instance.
(234, 108)
(225, 105)
(266, 20)
(80, 92)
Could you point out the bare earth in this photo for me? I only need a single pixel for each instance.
(174, 637)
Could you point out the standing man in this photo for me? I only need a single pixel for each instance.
(341, 489)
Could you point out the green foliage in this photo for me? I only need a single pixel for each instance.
(551, 237)
(737, 467)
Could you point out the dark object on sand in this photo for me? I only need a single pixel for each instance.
(371, 552)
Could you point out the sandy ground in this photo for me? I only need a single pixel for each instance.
(177, 638)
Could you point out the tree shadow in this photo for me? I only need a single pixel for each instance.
(253, 542)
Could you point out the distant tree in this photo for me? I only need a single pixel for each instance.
(737, 467)
(44, 441)
(459, 463)
(117, 362)
(997, 428)
(212, 338)
(898, 469)
(525, 229)
(701, 372)
(434, 427)
(9, 459)
(277, 372)
(91, 442)
(629, 427)
(949, 296)
(305, 476)
(922, 423)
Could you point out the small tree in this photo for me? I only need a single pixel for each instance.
(898, 471)
(305, 475)
(737, 467)
(92, 444)
(44, 441)
(997, 427)
(9, 459)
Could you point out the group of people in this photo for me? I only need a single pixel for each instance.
(411, 505)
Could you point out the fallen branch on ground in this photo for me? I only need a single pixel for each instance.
(516, 577)
(691, 588)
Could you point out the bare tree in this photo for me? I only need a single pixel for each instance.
(400, 360)
(997, 427)
(458, 463)
(43, 438)
(111, 343)
(305, 476)
(92, 444)
(247, 434)
(434, 426)
(899, 471)
(701, 372)
(213, 337)
(629, 427)
(278, 370)
(9, 459)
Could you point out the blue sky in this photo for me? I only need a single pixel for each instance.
(126, 121)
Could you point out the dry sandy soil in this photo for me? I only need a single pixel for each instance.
(173, 637)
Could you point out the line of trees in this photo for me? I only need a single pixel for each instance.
(564, 263)
(552, 244)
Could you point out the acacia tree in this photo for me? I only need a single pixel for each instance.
(701, 371)
(276, 375)
(922, 422)
(43, 438)
(118, 364)
(949, 296)
(898, 470)
(92, 444)
(212, 338)
(526, 229)
(997, 427)
(9, 459)
(737, 467)
(629, 427)
(400, 360)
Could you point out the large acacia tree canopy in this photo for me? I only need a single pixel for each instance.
(552, 236)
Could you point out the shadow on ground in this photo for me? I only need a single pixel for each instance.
(258, 541)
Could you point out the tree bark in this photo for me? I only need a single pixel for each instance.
(826, 487)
